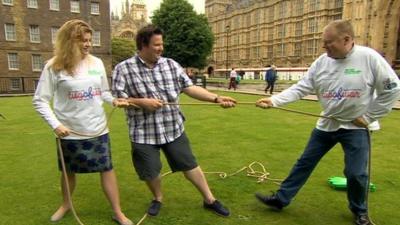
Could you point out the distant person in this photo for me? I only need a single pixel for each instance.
(157, 126)
(232, 79)
(270, 78)
(189, 72)
(344, 79)
(76, 84)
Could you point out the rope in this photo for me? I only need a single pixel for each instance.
(251, 103)
(369, 170)
(64, 170)
(262, 176)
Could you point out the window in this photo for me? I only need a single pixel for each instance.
(54, 34)
(338, 3)
(280, 49)
(55, 5)
(311, 47)
(13, 62)
(15, 84)
(7, 2)
(32, 4)
(95, 8)
(75, 7)
(299, 9)
(96, 38)
(299, 29)
(270, 34)
(281, 31)
(270, 52)
(271, 15)
(314, 5)
(37, 63)
(297, 49)
(282, 10)
(312, 25)
(34, 33)
(10, 32)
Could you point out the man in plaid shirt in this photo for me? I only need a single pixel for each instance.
(149, 81)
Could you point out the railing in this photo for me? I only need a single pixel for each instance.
(21, 85)
(18, 85)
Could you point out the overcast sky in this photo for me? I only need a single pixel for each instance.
(152, 5)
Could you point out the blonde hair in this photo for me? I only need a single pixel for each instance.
(67, 52)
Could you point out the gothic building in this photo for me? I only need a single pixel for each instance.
(130, 20)
(254, 33)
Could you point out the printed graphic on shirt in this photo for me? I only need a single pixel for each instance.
(94, 72)
(84, 95)
(352, 72)
(342, 93)
(389, 85)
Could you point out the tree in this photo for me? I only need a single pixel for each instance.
(188, 38)
(122, 49)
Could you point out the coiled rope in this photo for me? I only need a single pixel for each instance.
(262, 176)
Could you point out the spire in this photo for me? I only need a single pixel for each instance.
(127, 7)
(122, 9)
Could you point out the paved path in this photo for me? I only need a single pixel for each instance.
(262, 93)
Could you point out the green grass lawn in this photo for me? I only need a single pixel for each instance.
(223, 140)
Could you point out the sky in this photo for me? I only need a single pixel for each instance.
(152, 5)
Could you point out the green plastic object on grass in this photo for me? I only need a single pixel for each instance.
(340, 183)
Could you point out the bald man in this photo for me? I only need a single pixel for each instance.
(344, 79)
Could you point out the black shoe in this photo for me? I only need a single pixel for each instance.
(362, 220)
(270, 200)
(217, 208)
(154, 208)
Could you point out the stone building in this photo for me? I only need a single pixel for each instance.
(254, 33)
(28, 30)
(130, 20)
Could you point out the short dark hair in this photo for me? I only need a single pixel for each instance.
(144, 35)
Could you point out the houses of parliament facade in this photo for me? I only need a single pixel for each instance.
(255, 33)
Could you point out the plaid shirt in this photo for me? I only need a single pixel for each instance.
(132, 78)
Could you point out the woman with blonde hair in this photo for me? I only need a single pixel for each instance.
(77, 83)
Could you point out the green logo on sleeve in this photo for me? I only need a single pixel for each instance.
(352, 72)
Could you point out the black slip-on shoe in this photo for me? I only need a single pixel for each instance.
(217, 208)
(270, 200)
(154, 208)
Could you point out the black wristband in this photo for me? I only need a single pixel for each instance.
(216, 99)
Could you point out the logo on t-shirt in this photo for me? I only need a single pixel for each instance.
(84, 95)
(389, 85)
(342, 94)
(94, 73)
(352, 72)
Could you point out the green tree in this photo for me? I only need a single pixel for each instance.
(188, 38)
(122, 49)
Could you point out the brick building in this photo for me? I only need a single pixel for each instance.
(254, 33)
(28, 30)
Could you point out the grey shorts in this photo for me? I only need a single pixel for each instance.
(146, 157)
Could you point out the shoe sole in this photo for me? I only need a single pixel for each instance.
(270, 206)
(216, 213)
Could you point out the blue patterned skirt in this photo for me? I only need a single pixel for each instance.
(86, 156)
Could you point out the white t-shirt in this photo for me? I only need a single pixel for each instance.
(233, 74)
(77, 99)
(345, 88)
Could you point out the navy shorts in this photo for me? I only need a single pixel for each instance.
(147, 162)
